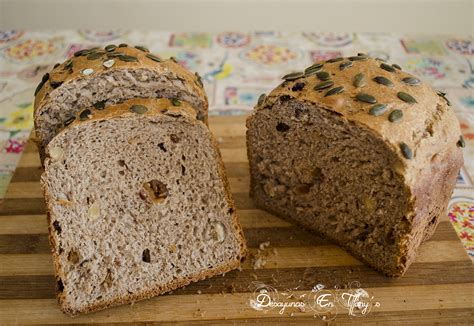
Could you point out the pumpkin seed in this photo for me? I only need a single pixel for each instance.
(87, 71)
(323, 85)
(141, 48)
(397, 66)
(174, 59)
(94, 56)
(261, 99)
(69, 120)
(293, 75)
(123, 45)
(334, 91)
(128, 58)
(199, 79)
(110, 47)
(335, 59)
(175, 102)
(140, 109)
(99, 105)
(406, 97)
(108, 63)
(81, 52)
(395, 116)
(345, 65)
(313, 69)
(114, 54)
(68, 64)
(362, 54)
(383, 80)
(363, 97)
(38, 88)
(323, 75)
(45, 78)
(442, 94)
(55, 84)
(387, 67)
(153, 57)
(56, 65)
(378, 109)
(85, 114)
(411, 80)
(406, 151)
(358, 58)
(359, 80)
(461, 142)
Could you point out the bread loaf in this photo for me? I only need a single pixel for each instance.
(359, 151)
(98, 77)
(138, 204)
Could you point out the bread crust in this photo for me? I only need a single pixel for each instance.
(71, 71)
(155, 107)
(428, 127)
(63, 75)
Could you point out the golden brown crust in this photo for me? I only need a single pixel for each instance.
(154, 107)
(67, 72)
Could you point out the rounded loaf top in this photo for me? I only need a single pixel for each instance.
(93, 61)
(406, 112)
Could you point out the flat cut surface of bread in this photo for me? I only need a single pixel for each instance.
(138, 205)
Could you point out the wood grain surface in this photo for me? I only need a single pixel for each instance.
(438, 288)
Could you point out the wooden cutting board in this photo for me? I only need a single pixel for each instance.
(439, 287)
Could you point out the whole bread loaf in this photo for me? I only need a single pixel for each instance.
(138, 204)
(98, 77)
(359, 151)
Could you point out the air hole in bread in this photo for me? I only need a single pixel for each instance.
(183, 170)
(162, 147)
(156, 190)
(174, 138)
(73, 256)
(121, 163)
(302, 189)
(146, 257)
(60, 285)
(57, 227)
(282, 127)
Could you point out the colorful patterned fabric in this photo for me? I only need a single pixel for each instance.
(236, 68)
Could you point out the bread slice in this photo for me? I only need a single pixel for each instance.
(138, 205)
(359, 151)
(101, 77)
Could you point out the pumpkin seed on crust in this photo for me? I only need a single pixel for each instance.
(139, 109)
(334, 91)
(293, 75)
(405, 97)
(378, 109)
(383, 81)
(395, 116)
(367, 98)
(323, 85)
(406, 151)
(359, 80)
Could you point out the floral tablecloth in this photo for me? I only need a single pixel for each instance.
(236, 68)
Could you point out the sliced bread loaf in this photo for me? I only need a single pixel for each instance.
(138, 204)
(98, 77)
(359, 151)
